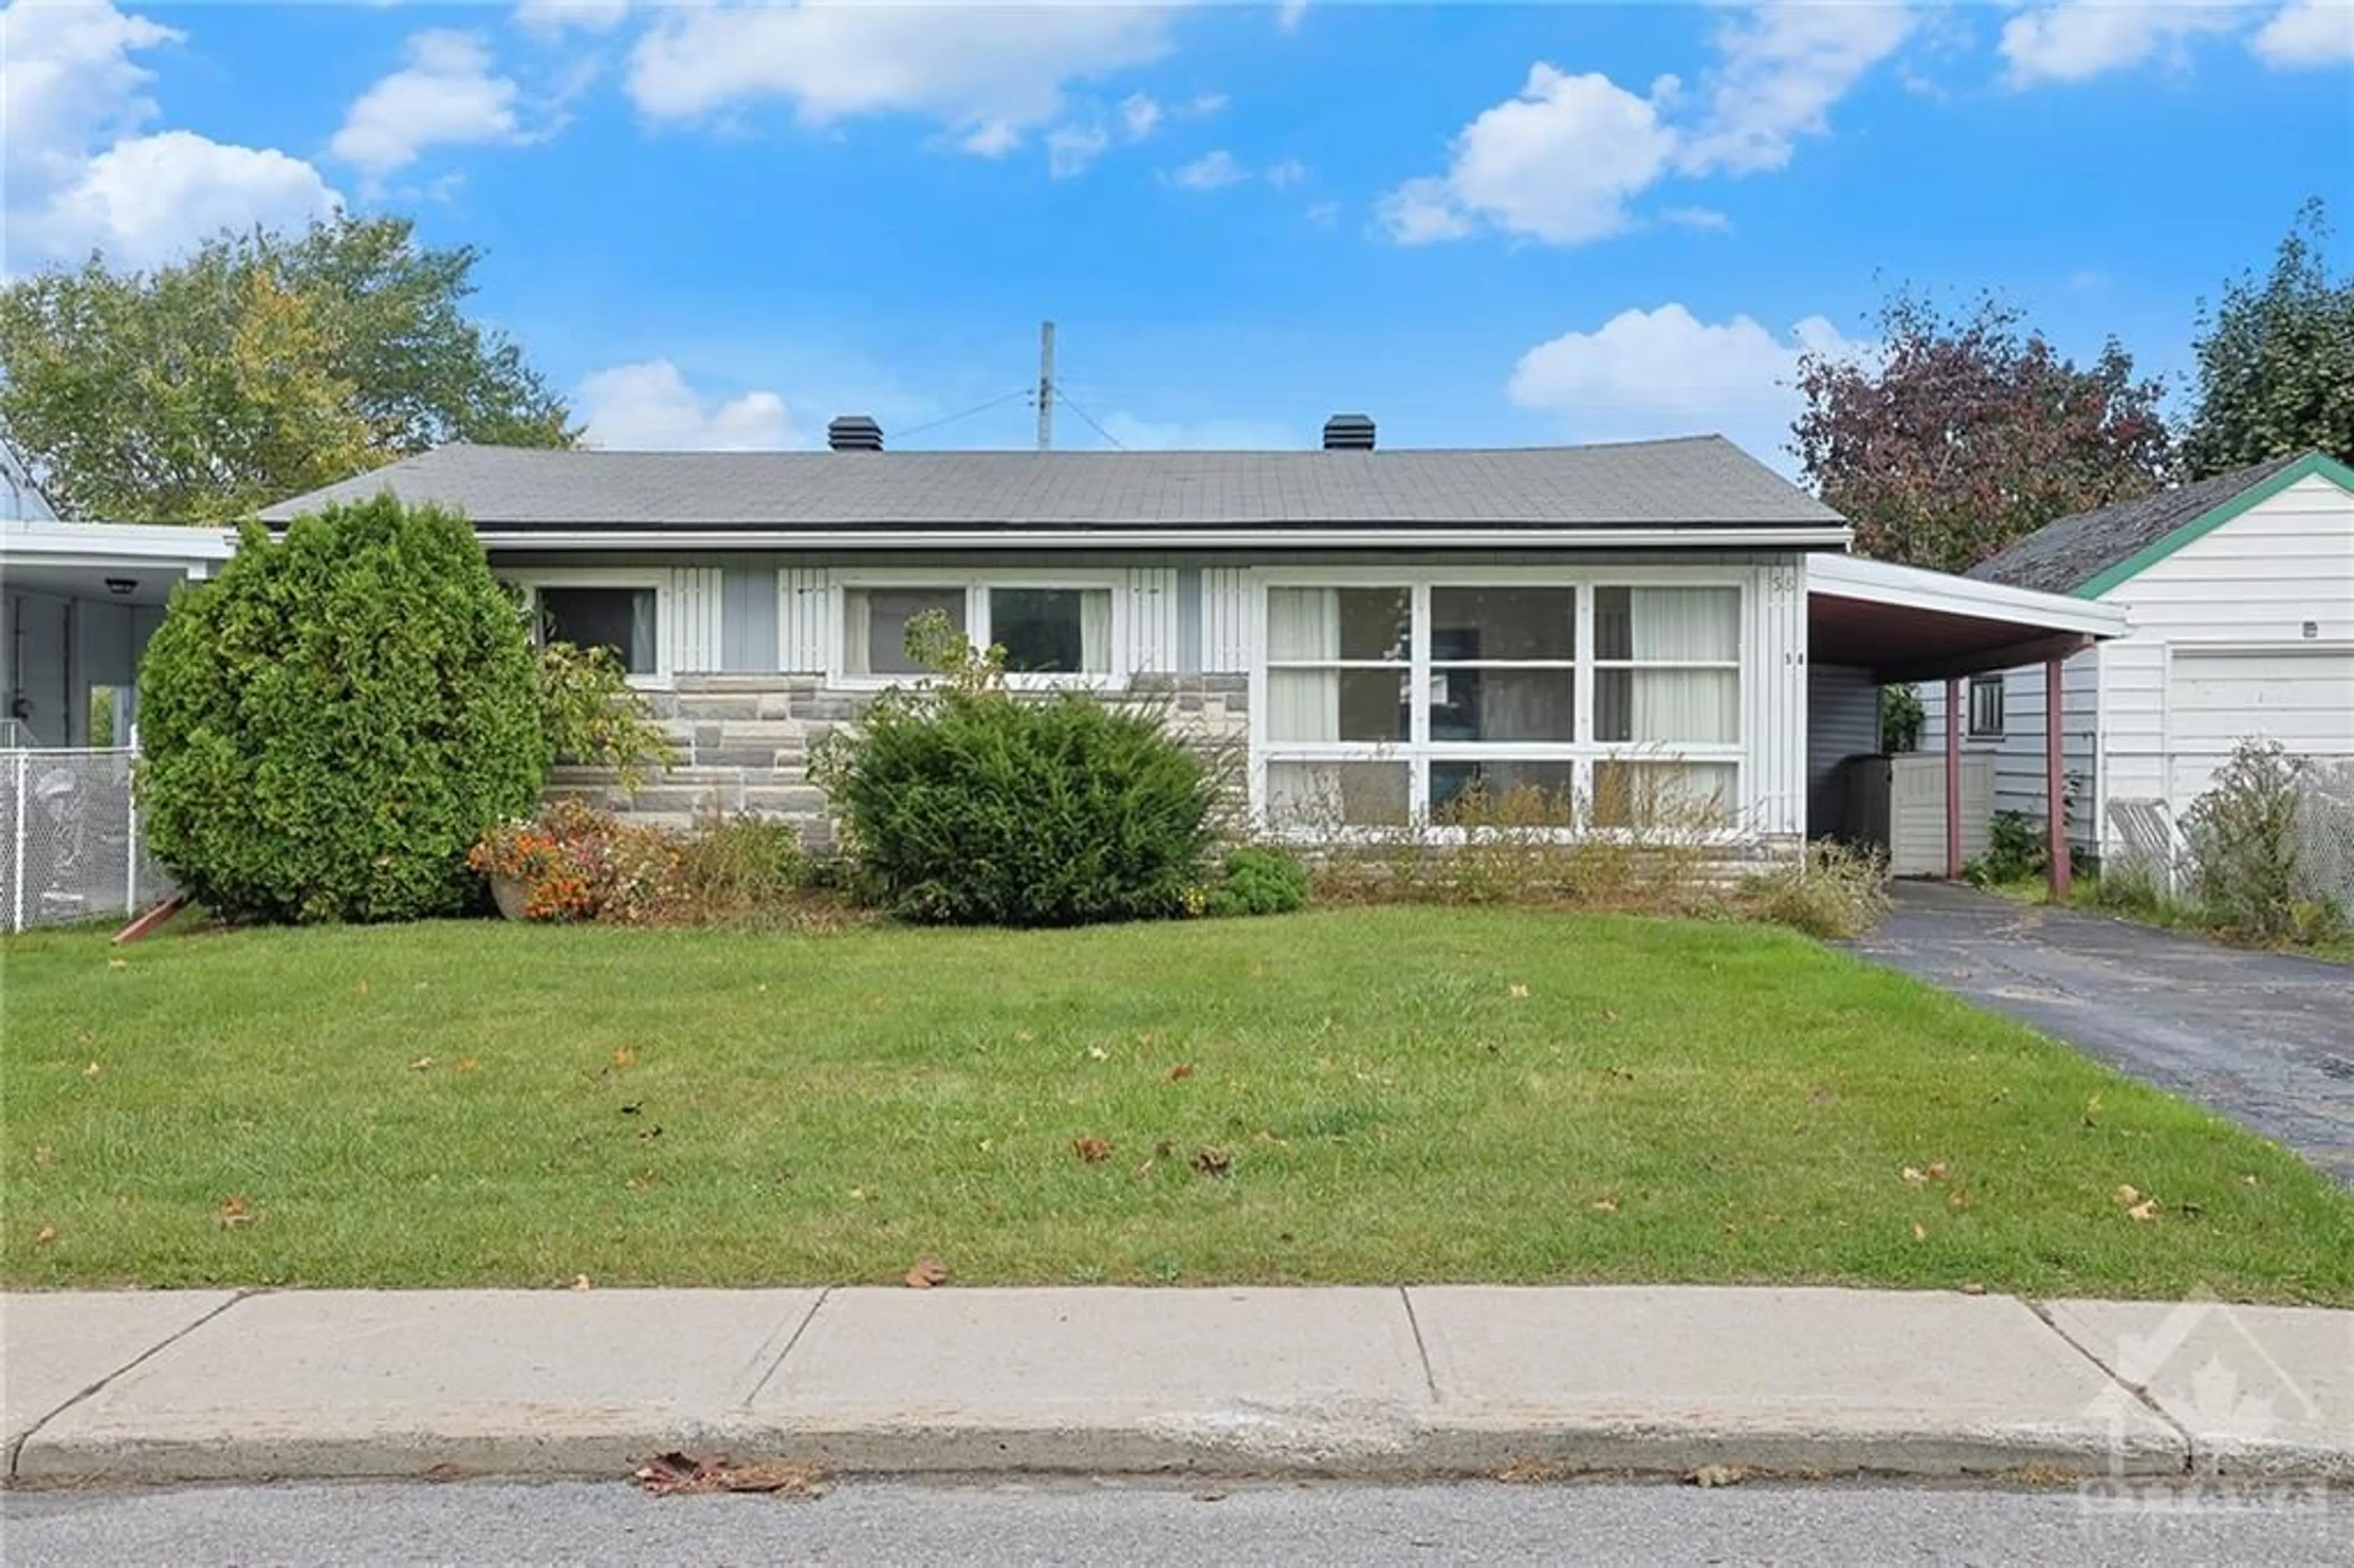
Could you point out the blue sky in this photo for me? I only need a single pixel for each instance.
(720, 224)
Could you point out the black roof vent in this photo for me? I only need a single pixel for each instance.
(854, 433)
(1348, 433)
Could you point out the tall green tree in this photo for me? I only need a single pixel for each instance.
(262, 366)
(1961, 434)
(2276, 360)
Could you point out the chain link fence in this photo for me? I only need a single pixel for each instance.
(71, 842)
(2148, 845)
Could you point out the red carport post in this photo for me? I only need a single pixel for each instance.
(2055, 754)
(1953, 780)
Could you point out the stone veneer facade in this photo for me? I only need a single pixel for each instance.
(744, 743)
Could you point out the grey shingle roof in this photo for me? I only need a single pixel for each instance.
(1703, 480)
(2063, 555)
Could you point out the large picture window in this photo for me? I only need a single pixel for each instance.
(1594, 702)
(1050, 632)
(624, 619)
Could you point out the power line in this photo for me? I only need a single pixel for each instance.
(967, 414)
(1065, 399)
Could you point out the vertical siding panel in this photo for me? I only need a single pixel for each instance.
(1226, 617)
(805, 618)
(1151, 594)
(1776, 703)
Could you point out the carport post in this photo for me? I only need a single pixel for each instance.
(2055, 793)
(1953, 778)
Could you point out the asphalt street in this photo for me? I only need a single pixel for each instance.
(1196, 1522)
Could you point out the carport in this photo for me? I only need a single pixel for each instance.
(1872, 624)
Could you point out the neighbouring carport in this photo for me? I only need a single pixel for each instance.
(1902, 624)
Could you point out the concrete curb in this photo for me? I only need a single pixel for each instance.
(1361, 1383)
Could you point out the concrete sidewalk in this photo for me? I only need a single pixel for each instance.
(173, 1386)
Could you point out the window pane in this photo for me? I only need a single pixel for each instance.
(1503, 623)
(1337, 794)
(1503, 794)
(874, 638)
(1668, 795)
(1666, 624)
(1502, 705)
(1305, 625)
(1051, 630)
(621, 619)
(1668, 706)
(1334, 704)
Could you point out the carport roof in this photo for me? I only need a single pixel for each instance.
(1906, 624)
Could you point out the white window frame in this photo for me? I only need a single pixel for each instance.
(1971, 728)
(976, 587)
(1418, 750)
(655, 578)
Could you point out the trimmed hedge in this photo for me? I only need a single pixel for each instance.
(332, 723)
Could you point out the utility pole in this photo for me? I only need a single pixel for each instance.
(1045, 386)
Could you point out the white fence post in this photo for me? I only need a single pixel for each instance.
(16, 865)
(130, 835)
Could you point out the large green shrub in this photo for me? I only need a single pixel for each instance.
(965, 803)
(332, 723)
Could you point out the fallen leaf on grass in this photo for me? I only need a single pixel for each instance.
(1973, 1287)
(1957, 1199)
(2145, 1210)
(44, 1156)
(1912, 1174)
(1937, 1171)
(1091, 1149)
(464, 1064)
(580, 1282)
(2249, 1179)
(1212, 1162)
(45, 1235)
(928, 1272)
(2128, 1195)
(1919, 1233)
(92, 1071)
(420, 1065)
(626, 1056)
(1606, 1205)
(644, 1179)
(1520, 992)
(1716, 1476)
(1097, 1054)
(361, 987)
(677, 1474)
(234, 1212)
(1178, 1074)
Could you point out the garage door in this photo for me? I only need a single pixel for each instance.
(2302, 697)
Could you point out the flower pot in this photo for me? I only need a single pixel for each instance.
(511, 897)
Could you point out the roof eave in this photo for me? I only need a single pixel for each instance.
(2214, 517)
(1713, 535)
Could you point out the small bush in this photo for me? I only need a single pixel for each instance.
(333, 722)
(964, 803)
(2243, 842)
(1832, 891)
(2016, 850)
(1901, 718)
(592, 715)
(1259, 879)
(737, 868)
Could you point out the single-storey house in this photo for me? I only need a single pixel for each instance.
(1377, 630)
(2239, 589)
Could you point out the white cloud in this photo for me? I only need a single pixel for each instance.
(2306, 33)
(1323, 214)
(553, 18)
(1706, 217)
(1288, 172)
(1204, 105)
(649, 407)
(1782, 69)
(446, 95)
(1071, 148)
(1288, 14)
(2083, 38)
(1211, 171)
(1558, 163)
(79, 172)
(1665, 373)
(1139, 115)
(988, 73)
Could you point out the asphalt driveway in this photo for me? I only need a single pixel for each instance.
(2265, 1039)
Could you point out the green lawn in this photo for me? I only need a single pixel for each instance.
(1394, 1094)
